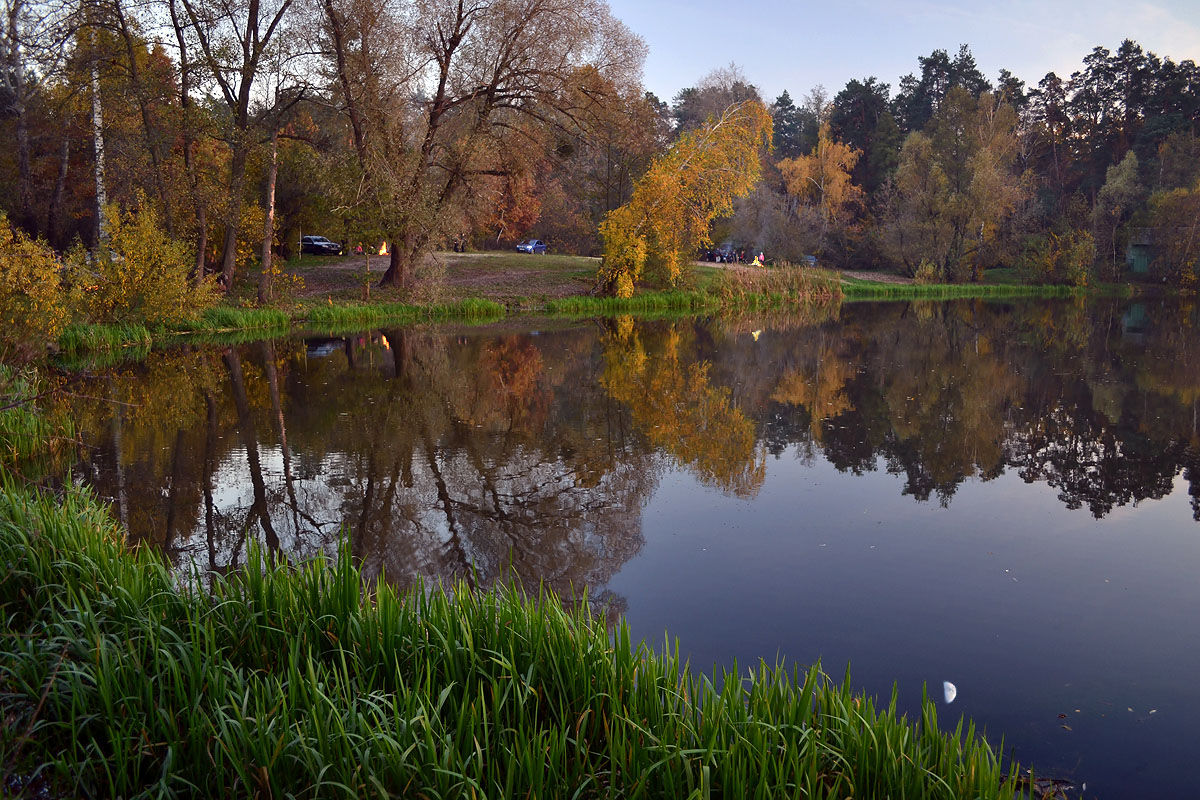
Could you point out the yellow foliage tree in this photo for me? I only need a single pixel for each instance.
(33, 305)
(141, 276)
(822, 180)
(668, 217)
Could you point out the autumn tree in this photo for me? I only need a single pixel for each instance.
(591, 164)
(954, 188)
(235, 45)
(442, 98)
(718, 90)
(822, 180)
(679, 408)
(1116, 203)
(675, 202)
(1175, 229)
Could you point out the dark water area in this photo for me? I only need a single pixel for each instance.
(1005, 496)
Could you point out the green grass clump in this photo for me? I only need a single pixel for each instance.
(100, 338)
(645, 302)
(230, 318)
(296, 681)
(854, 289)
(357, 316)
(26, 430)
(82, 343)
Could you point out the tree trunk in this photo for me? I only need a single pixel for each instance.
(201, 242)
(237, 178)
(189, 164)
(54, 222)
(15, 83)
(268, 355)
(397, 271)
(149, 132)
(173, 491)
(211, 436)
(337, 30)
(98, 149)
(264, 278)
(118, 440)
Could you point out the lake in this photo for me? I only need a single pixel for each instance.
(1001, 495)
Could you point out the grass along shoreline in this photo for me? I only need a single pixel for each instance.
(289, 681)
(232, 324)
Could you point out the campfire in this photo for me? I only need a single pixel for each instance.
(383, 251)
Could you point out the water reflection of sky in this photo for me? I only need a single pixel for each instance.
(1031, 609)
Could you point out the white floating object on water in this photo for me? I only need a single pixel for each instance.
(756, 334)
(949, 691)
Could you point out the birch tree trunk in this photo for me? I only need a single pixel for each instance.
(265, 277)
(98, 149)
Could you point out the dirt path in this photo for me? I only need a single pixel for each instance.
(500, 276)
(877, 277)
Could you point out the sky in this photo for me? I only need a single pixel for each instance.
(797, 45)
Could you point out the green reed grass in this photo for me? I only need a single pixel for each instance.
(86, 341)
(587, 305)
(230, 318)
(295, 681)
(360, 315)
(860, 290)
(26, 432)
(86, 338)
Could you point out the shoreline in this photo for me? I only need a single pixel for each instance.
(234, 324)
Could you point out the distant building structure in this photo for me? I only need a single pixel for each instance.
(1140, 252)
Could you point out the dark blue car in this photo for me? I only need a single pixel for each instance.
(532, 246)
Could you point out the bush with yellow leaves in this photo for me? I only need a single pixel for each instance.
(33, 303)
(141, 275)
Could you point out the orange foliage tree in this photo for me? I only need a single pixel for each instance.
(668, 217)
(822, 180)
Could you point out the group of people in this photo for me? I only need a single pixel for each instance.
(730, 255)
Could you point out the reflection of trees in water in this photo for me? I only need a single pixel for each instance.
(435, 455)
(945, 392)
(446, 454)
(679, 409)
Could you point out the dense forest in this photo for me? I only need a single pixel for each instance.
(228, 129)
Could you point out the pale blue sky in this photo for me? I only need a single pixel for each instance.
(796, 45)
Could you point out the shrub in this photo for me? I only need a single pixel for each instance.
(1065, 258)
(927, 272)
(33, 303)
(142, 276)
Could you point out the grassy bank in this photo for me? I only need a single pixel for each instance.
(714, 290)
(865, 290)
(285, 681)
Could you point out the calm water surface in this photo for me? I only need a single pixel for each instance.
(1002, 496)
